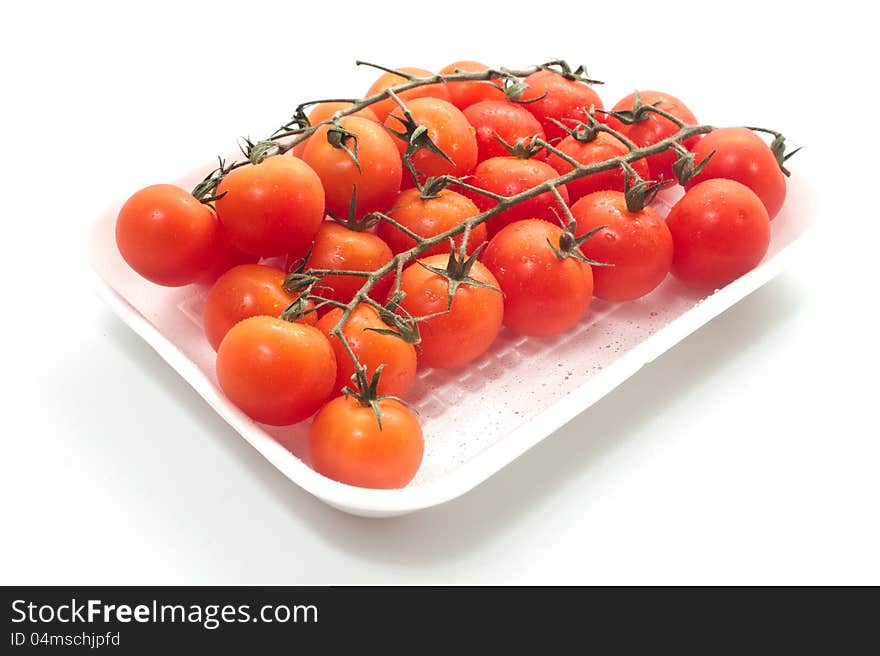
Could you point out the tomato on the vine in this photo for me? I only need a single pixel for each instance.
(428, 217)
(323, 111)
(649, 127)
(375, 176)
(459, 333)
(507, 176)
(248, 290)
(740, 154)
(372, 349)
(509, 121)
(551, 96)
(447, 128)
(591, 149)
(226, 256)
(340, 248)
(547, 289)
(275, 371)
(348, 445)
(383, 107)
(465, 93)
(271, 208)
(720, 230)
(635, 243)
(167, 235)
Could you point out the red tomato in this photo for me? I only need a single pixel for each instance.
(468, 329)
(337, 247)
(430, 217)
(275, 371)
(348, 445)
(225, 257)
(637, 245)
(167, 235)
(556, 97)
(720, 230)
(248, 290)
(372, 349)
(463, 94)
(323, 111)
(376, 176)
(507, 120)
(508, 176)
(603, 147)
(544, 294)
(448, 129)
(653, 128)
(271, 208)
(743, 156)
(383, 107)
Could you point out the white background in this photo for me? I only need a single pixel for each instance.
(747, 454)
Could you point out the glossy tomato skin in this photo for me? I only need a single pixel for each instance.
(655, 128)
(638, 245)
(448, 129)
(373, 349)
(465, 332)
(383, 107)
(337, 247)
(324, 111)
(507, 120)
(276, 372)
(225, 258)
(377, 179)
(463, 94)
(543, 294)
(508, 176)
(271, 208)
(248, 290)
(428, 218)
(600, 149)
(167, 236)
(347, 444)
(720, 230)
(742, 155)
(558, 98)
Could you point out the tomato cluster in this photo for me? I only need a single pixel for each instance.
(405, 231)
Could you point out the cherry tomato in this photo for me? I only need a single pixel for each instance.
(507, 120)
(376, 176)
(653, 128)
(720, 230)
(544, 294)
(271, 208)
(337, 247)
(430, 217)
(637, 245)
(556, 97)
(248, 290)
(372, 349)
(448, 129)
(468, 329)
(225, 257)
(508, 176)
(167, 236)
(742, 155)
(276, 372)
(324, 111)
(465, 93)
(384, 106)
(603, 147)
(348, 445)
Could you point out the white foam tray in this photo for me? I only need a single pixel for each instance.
(475, 420)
